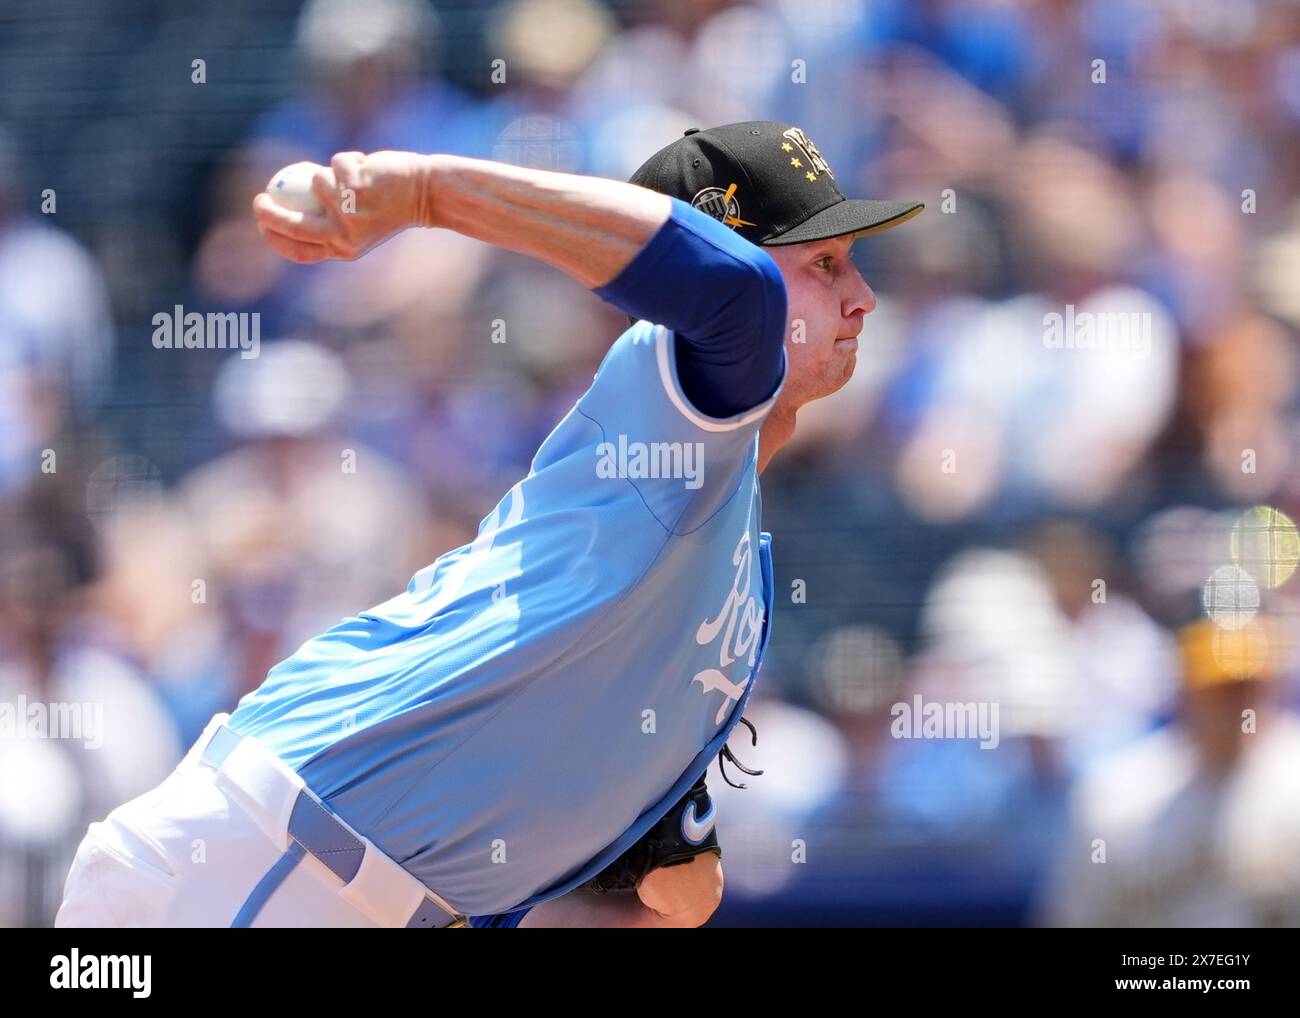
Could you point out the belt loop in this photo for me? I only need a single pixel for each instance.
(193, 757)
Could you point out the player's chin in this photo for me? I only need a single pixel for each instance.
(838, 373)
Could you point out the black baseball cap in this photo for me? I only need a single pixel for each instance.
(768, 182)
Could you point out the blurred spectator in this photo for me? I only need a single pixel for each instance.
(368, 83)
(1198, 825)
(83, 730)
(297, 528)
(56, 334)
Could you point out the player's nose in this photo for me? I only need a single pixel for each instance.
(860, 299)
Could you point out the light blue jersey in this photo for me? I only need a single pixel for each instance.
(536, 700)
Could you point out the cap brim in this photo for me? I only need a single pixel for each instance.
(856, 216)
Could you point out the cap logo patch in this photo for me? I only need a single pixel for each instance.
(721, 205)
(812, 162)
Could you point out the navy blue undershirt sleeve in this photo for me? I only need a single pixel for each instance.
(723, 298)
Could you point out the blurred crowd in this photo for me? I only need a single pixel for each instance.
(1095, 538)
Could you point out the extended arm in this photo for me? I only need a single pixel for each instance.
(588, 227)
(652, 256)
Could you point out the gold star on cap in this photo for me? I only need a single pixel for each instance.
(810, 175)
(794, 161)
(786, 146)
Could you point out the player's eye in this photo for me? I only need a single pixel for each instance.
(824, 262)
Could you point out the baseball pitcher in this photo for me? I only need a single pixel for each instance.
(520, 736)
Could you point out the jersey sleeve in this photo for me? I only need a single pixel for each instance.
(723, 299)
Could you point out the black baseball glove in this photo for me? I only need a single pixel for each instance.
(685, 832)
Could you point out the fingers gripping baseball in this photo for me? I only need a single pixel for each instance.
(363, 201)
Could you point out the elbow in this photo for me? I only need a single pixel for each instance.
(685, 895)
(702, 910)
(706, 902)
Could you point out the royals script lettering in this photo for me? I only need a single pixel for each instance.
(735, 630)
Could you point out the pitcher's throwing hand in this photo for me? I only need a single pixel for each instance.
(365, 198)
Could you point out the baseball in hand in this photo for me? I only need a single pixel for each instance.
(291, 188)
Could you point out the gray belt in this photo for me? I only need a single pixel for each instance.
(315, 830)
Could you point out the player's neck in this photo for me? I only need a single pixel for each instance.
(777, 429)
